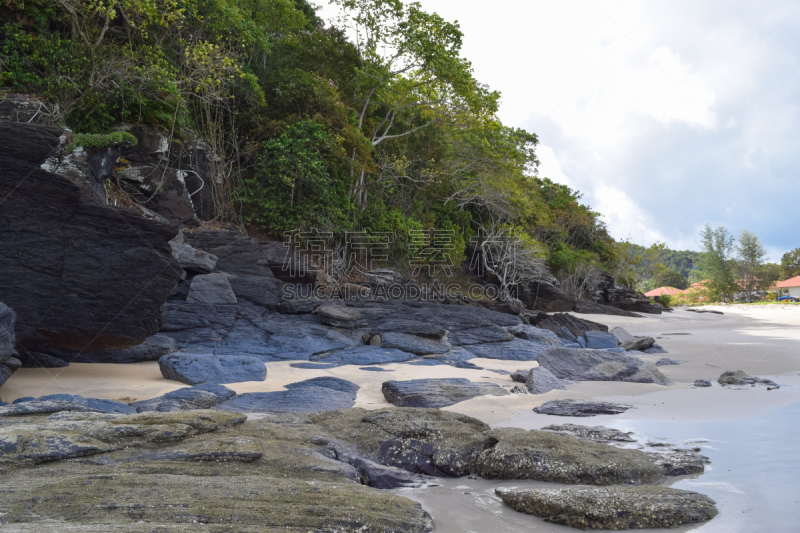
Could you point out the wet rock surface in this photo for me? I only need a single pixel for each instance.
(666, 361)
(581, 408)
(437, 393)
(599, 365)
(614, 508)
(739, 377)
(596, 433)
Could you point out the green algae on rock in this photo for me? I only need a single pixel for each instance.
(614, 508)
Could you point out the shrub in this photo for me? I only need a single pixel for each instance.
(101, 140)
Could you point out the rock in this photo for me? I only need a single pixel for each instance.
(299, 306)
(536, 335)
(608, 292)
(613, 507)
(581, 408)
(220, 391)
(259, 290)
(8, 361)
(484, 334)
(553, 457)
(40, 360)
(363, 355)
(384, 276)
(739, 377)
(312, 395)
(437, 393)
(599, 365)
(211, 289)
(540, 380)
(546, 295)
(338, 316)
(693, 310)
(424, 441)
(236, 253)
(64, 402)
(600, 340)
(518, 390)
(86, 276)
(515, 350)
(567, 326)
(179, 400)
(701, 383)
(151, 349)
(520, 376)
(680, 463)
(622, 335)
(193, 260)
(593, 308)
(194, 369)
(414, 344)
(596, 433)
(639, 344)
(655, 349)
(665, 361)
(426, 330)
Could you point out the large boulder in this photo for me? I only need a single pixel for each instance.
(194, 369)
(608, 292)
(613, 507)
(540, 380)
(151, 349)
(193, 260)
(599, 365)
(437, 393)
(80, 276)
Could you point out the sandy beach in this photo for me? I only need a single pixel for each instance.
(761, 340)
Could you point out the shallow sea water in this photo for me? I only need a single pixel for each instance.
(754, 477)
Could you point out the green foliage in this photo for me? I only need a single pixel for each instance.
(101, 140)
(388, 132)
(669, 278)
(790, 264)
(293, 188)
(716, 263)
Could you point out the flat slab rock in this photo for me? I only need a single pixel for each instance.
(363, 355)
(666, 361)
(63, 402)
(194, 369)
(593, 433)
(338, 316)
(599, 365)
(437, 393)
(581, 408)
(309, 396)
(615, 508)
(740, 377)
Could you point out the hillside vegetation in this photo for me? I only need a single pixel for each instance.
(373, 121)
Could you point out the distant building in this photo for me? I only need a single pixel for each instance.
(790, 287)
(663, 291)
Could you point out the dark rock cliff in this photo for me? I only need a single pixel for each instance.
(79, 275)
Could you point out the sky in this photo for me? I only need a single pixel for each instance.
(665, 114)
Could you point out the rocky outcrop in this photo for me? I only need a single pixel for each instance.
(194, 369)
(581, 408)
(363, 355)
(608, 292)
(566, 326)
(437, 393)
(616, 508)
(193, 260)
(739, 377)
(63, 402)
(151, 349)
(548, 456)
(211, 289)
(638, 344)
(8, 355)
(338, 316)
(599, 365)
(80, 276)
(180, 471)
(594, 308)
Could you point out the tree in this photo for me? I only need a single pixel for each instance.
(636, 264)
(790, 264)
(750, 258)
(715, 261)
(769, 273)
(669, 278)
(411, 75)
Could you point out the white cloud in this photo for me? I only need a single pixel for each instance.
(549, 167)
(625, 218)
